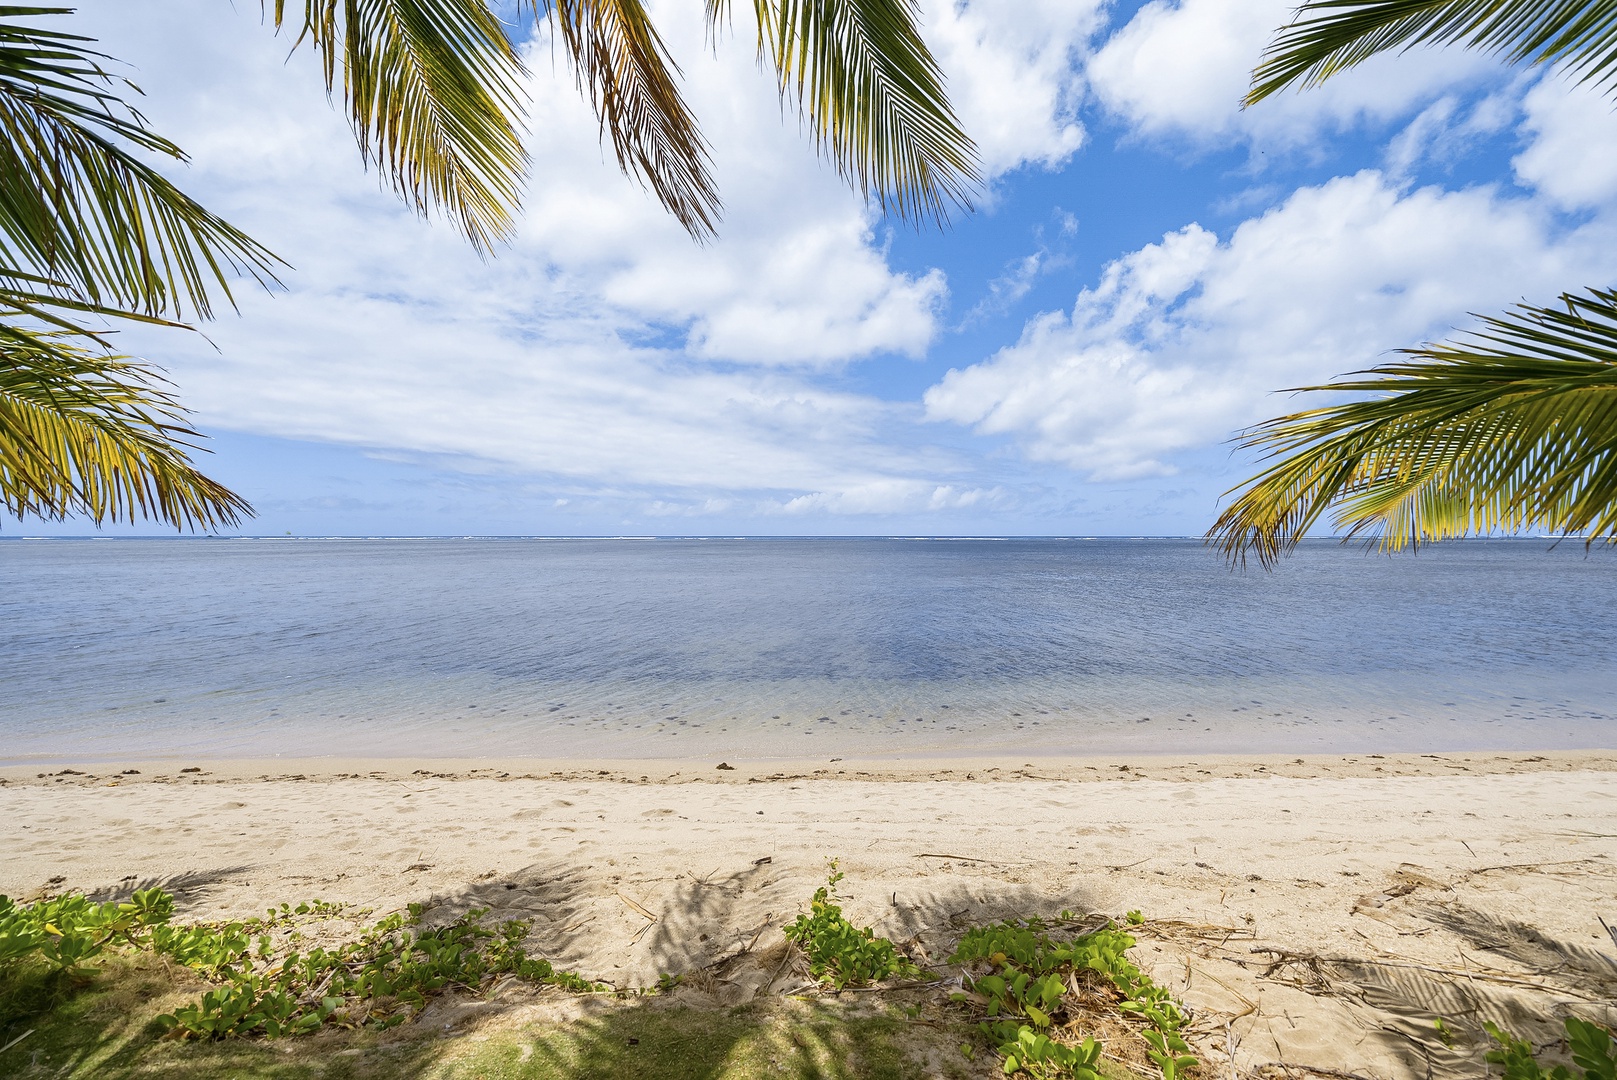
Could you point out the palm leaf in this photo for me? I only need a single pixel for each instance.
(83, 432)
(1511, 427)
(1328, 36)
(433, 90)
(861, 72)
(625, 69)
(77, 208)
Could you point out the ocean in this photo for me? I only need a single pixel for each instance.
(807, 648)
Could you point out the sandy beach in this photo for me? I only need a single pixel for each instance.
(1314, 912)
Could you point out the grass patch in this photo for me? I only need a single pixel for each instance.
(108, 1029)
(790, 1039)
(119, 990)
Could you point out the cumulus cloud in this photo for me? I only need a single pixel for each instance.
(1179, 68)
(603, 346)
(606, 357)
(1014, 76)
(1572, 153)
(1184, 340)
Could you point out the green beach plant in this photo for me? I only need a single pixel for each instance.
(1594, 1052)
(1024, 992)
(90, 232)
(379, 980)
(268, 984)
(839, 953)
(1511, 427)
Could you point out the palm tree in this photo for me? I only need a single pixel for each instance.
(91, 234)
(1509, 427)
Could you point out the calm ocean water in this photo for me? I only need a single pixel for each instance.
(748, 648)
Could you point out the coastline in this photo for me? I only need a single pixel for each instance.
(894, 768)
(1407, 884)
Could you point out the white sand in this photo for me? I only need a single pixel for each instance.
(1462, 885)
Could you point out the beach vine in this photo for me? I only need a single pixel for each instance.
(1028, 985)
(839, 953)
(267, 983)
(1593, 1048)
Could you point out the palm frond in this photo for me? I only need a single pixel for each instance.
(624, 67)
(1328, 36)
(83, 432)
(25, 296)
(433, 90)
(77, 208)
(1511, 427)
(874, 94)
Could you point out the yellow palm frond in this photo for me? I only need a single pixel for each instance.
(1510, 428)
(433, 89)
(626, 71)
(874, 94)
(85, 433)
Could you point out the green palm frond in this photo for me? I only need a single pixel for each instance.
(45, 300)
(861, 72)
(625, 69)
(1511, 427)
(77, 208)
(433, 90)
(1328, 36)
(86, 433)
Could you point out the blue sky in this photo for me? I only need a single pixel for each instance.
(1149, 263)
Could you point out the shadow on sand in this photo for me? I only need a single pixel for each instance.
(733, 1012)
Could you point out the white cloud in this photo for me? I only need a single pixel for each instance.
(892, 496)
(1181, 68)
(1016, 282)
(612, 358)
(1183, 341)
(1013, 74)
(603, 345)
(1420, 136)
(1572, 155)
(1444, 131)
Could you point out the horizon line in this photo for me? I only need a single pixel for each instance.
(645, 537)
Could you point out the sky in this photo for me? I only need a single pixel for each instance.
(1147, 267)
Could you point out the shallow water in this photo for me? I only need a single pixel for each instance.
(753, 648)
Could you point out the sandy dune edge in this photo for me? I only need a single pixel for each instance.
(1316, 912)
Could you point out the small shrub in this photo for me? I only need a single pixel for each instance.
(266, 988)
(378, 980)
(840, 953)
(1594, 1052)
(1027, 980)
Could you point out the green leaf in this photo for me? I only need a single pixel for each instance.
(623, 66)
(1511, 427)
(433, 90)
(860, 71)
(81, 215)
(1329, 36)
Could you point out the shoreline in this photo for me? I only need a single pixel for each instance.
(891, 768)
